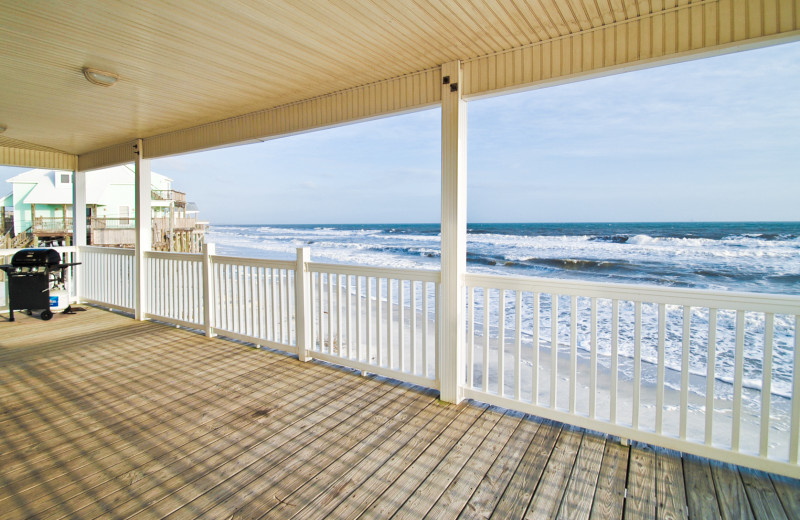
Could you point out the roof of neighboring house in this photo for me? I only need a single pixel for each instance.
(49, 191)
(7, 200)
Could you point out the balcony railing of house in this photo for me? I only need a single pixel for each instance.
(708, 373)
(162, 224)
(159, 223)
(112, 223)
(178, 197)
(52, 225)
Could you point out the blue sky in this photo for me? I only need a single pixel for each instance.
(713, 139)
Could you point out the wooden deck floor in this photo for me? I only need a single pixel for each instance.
(106, 417)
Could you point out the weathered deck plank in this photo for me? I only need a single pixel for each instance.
(579, 495)
(733, 502)
(61, 421)
(485, 498)
(553, 482)
(476, 469)
(789, 494)
(609, 497)
(369, 479)
(762, 496)
(701, 496)
(102, 416)
(337, 478)
(210, 441)
(405, 484)
(118, 455)
(433, 487)
(670, 487)
(641, 499)
(517, 495)
(272, 481)
(198, 492)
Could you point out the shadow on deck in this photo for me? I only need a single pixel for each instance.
(104, 416)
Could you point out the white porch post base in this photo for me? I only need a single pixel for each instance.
(208, 287)
(302, 301)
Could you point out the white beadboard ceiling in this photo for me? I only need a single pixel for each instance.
(184, 63)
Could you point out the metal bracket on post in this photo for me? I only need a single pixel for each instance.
(302, 302)
(208, 288)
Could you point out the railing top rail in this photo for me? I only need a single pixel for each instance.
(775, 303)
(171, 255)
(60, 249)
(168, 195)
(109, 250)
(378, 272)
(254, 262)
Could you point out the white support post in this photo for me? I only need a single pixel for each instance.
(143, 228)
(208, 288)
(454, 233)
(302, 303)
(79, 208)
(78, 225)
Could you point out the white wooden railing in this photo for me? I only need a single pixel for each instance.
(249, 300)
(175, 288)
(595, 355)
(253, 300)
(382, 321)
(108, 277)
(710, 373)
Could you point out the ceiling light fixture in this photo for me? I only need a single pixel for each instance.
(100, 77)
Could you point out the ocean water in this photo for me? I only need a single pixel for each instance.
(730, 256)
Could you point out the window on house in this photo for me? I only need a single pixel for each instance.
(65, 178)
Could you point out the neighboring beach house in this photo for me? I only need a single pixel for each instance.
(41, 204)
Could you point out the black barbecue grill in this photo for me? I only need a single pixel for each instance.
(31, 274)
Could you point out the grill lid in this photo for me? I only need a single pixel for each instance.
(36, 258)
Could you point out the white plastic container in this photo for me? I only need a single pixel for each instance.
(59, 299)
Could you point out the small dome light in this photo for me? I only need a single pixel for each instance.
(99, 77)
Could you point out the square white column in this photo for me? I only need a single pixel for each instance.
(454, 233)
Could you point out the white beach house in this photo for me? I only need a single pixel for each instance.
(41, 204)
